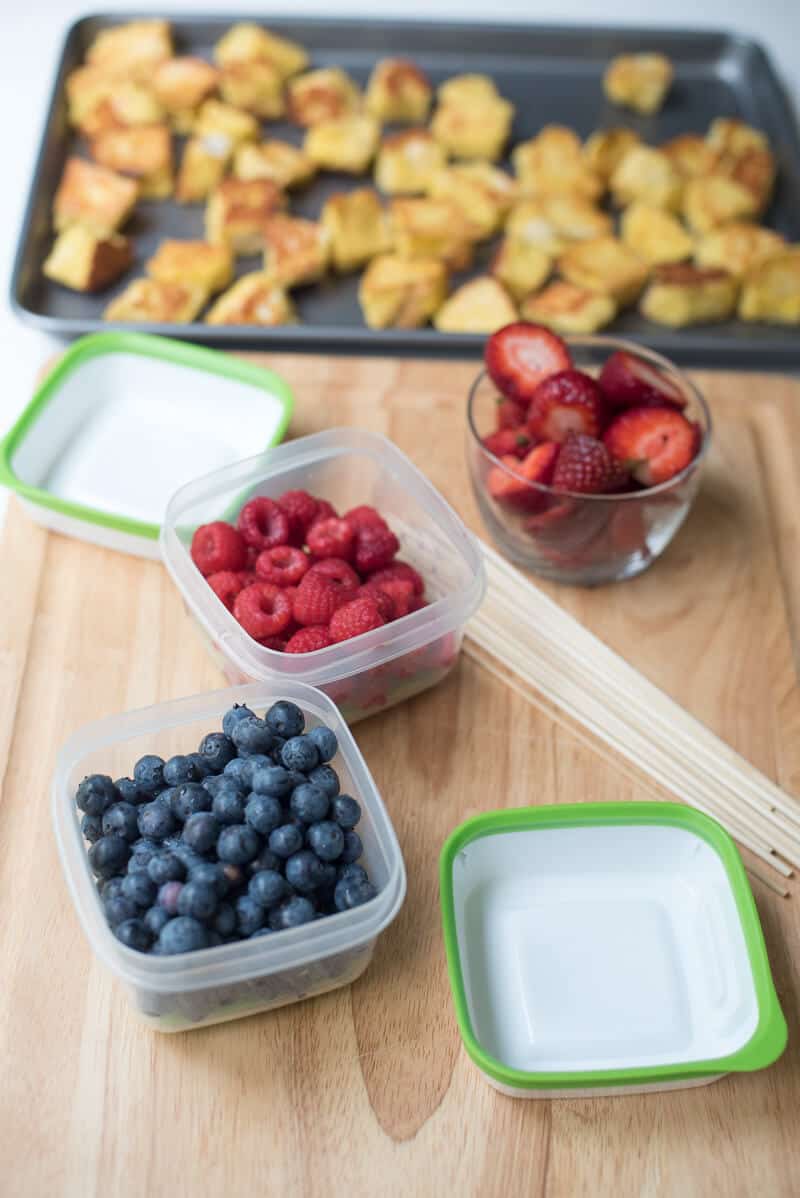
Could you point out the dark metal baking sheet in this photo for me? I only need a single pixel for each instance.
(551, 74)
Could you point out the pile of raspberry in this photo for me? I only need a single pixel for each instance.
(299, 577)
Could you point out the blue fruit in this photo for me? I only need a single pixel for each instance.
(346, 811)
(325, 740)
(188, 856)
(265, 931)
(118, 909)
(214, 783)
(235, 769)
(266, 859)
(111, 888)
(272, 780)
(156, 821)
(127, 789)
(228, 805)
(353, 892)
(148, 774)
(309, 803)
(353, 848)
(199, 900)
(238, 844)
(326, 839)
(351, 873)
(217, 750)
(154, 919)
(224, 921)
(291, 913)
(95, 794)
(239, 711)
(277, 748)
(285, 840)
(187, 799)
(326, 778)
(166, 867)
(304, 871)
(182, 935)
(180, 769)
(200, 764)
(121, 818)
(267, 887)
(140, 888)
(249, 915)
(210, 874)
(300, 753)
(201, 831)
(252, 736)
(264, 813)
(168, 896)
(141, 852)
(92, 827)
(109, 855)
(285, 718)
(134, 934)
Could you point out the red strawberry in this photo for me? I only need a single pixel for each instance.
(283, 566)
(354, 618)
(226, 586)
(508, 440)
(216, 547)
(510, 414)
(569, 401)
(316, 599)
(340, 573)
(586, 466)
(383, 600)
(400, 570)
(307, 640)
(262, 610)
(520, 355)
(656, 443)
(512, 484)
(331, 538)
(360, 517)
(300, 508)
(262, 524)
(628, 381)
(375, 548)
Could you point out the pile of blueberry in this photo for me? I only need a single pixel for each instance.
(248, 836)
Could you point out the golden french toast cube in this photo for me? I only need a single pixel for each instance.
(680, 295)
(470, 89)
(424, 228)
(407, 161)
(197, 262)
(345, 143)
(295, 250)
(273, 159)
(256, 87)
(202, 167)
(133, 50)
(606, 265)
(482, 193)
(322, 95)
(248, 42)
(401, 293)
(237, 210)
(648, 175)
(553, 222)
(254, 299)
(97, 101)
(84, 261)
(604, 150)
(566, 308)
(92, 196)
(728, 135)
(553, 163)
(638, 81)
(480, 306)
(473, 129)
(738, 247)
(215, 117)
(153, 301)
(181, 85)
(521, 266)
(771, 291)
(754, 170)
(716, 200)
(690, 154)
(655, 235)
(357, 226)
(143, 151)
(398, 91)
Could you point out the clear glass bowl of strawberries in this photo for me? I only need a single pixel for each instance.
(584, 454)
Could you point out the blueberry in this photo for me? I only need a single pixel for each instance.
(166, 867)
(235, 769)
(217, 749)
(353, 848)
(303, 871)
(267, 887)
(238, 844)
(286, 840)
(327, 875)
(199, 900)
(292, 913)
(285, 718)
(309, 803)
(92, 827)
(352, 892)
(249, 915)
(109, 855)
(300, 753)
(140, 888)
(111, 889)
(148, 774)
(121, 818)
(326, 839)
(325, 740)
(180, 769)
(133, 934)
(214, 783)
(188, 856)
(297, 777)
(118, 909)
(224, 921)
(201, 831)
(141, 852)
(351, 873)
(346, 811)
(168, 896)
(156, 820)
(182, 935)
(264, 813)
(272, 780)
(228, 805)
(210, 875)
(95, 794)
(277, 748)
(154, 919)
(200, 764)
(187, 799)
(238, 712)
(265, 931)
(266, 859)
(326, 778)
(127, 789)
(252, 736)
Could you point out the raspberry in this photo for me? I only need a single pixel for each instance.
(331, 538)
(338, 572)
(246, 578)
(361, 517)
(400, 591)
(400, 570)
(317, 599)
(262, 610)
(263, 524)
(383, 601)
(375, 547)
(226, 585)
(325, 511)
(354, 618)
(278, 643)
(217, 547)
(300, 508)
(283, 566)
(309, 639)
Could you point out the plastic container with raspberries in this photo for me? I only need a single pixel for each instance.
(214, 896)
(331, 561)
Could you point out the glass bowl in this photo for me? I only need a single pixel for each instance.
(584, 539)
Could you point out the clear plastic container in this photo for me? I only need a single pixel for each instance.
(213, 985)
(347, 467)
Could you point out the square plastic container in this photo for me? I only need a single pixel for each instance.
(213, 985)
(605, 948)
(125, 417)
(347, 467)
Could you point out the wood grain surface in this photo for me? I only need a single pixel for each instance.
(366, 1091)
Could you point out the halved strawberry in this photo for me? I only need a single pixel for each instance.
(512, 484)
(520, 355)
(510, 414)
(629, 382)
(655, 443)
(586, 466)
(566, 402)
(508, 440)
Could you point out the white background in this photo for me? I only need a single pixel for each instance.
(31, 34)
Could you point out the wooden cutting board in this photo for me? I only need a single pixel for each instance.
(367, 1091)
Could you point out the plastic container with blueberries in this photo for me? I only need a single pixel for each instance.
(213, 985)
(347, 467)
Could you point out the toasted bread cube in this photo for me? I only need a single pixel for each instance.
(655, 235)
(604, 264)
(648, 175)
(254, 299)
(604, 150)
(357, 226)
(98, 102)
(754, 170)
(401, 293)
(771, 291)
(83, 261)
(398, 91)
(521, 266)
(681, 295)
(569, 309)
(690, 154)
(277, 160)
(247, 42)
(431, 229)
(143, 151)
(92, 196)
(716, 200)
(483, 193)
(131, 51)
(197, 262)
(638, 81)
(202, 167)
(553, 222)
(181, 85)
(237, 210)
(738, 247)
(480, 306)
(150, 300)
(407, 162)
(256, 87)
(467, 130)
(473, 90)
(728, 135)
(322, 95)
(346, 143)
(553, 163)
(215, 117)
(295, 250)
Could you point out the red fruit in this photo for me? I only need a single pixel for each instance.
(586, 466)
(627, 381)
(300, 508)
(508, 440)
(510, 414)
(569, 401)
(331, 538)
(262, 610)
(511, 485)
(278, 643)
(520, 355)
(325, 511)
(309, 639)
(398, 591)
(262, 524)
(375, 548)
(216, 547)
(383, 600)
(283, 566)
(400, 570)
(361, 517)
(354, 618)
(654, 443)
(317, 598)
(226, 585)
(340, 573)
